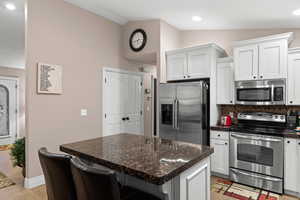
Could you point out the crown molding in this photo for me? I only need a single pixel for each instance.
(289, 36)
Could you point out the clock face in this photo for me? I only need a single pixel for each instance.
(138, 40)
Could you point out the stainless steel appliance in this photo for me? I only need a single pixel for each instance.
(184, 111)
(262, 92)
(256, 150)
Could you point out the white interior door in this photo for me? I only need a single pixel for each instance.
(122, 103)
(8, 111)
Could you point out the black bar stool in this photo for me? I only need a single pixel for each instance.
(58, 176)
(97, 184)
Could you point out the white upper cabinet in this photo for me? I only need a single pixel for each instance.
(262, 58)
(192, 63)
(198, 64)
(225, 81)
(177, 65)
(293, 83)
(273, 60)
(246, 62)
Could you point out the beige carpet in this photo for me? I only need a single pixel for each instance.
(5, 182)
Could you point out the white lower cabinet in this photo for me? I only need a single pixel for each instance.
(220, 157)
(292, 166)
(195, 182)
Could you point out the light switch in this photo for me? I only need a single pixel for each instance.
(83, 112)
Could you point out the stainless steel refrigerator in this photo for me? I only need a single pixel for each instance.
(184, 111)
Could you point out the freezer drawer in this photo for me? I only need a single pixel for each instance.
(257, 180)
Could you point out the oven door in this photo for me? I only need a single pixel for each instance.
(257, 153)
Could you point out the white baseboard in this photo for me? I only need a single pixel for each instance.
(34, 182)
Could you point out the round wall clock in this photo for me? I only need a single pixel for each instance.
(138, 40)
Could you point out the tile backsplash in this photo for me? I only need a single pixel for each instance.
(226, 109)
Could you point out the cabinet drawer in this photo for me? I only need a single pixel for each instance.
(224, 135)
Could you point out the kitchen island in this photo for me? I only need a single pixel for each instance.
(168, 169)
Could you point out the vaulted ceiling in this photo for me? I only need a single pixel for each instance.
(216, 14)
(12, 34)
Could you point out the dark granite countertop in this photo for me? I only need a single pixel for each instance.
(154, 160)
(287, 133)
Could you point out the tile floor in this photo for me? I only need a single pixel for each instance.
(17, 192)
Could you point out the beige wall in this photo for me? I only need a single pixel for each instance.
(62, 34)
(20, 74)
(224, 38)
(170, 38)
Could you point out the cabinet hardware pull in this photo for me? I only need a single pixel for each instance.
(261, 76)
(288, 142)
(231, 101)
(254, 77)
(219, 135)
(225, 143)
(291, 101)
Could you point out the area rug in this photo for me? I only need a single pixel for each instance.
(5, 147)
(242, 192)
(5, 182)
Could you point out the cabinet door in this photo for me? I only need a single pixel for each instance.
(198, 64)
(246, 62)
(220, 157)
(291, 165)
(293, 81)
(176, 66)
(195, 182)
(225, 83)
(273, 60)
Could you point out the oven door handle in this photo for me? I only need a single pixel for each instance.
(255, 138)
(256, 176)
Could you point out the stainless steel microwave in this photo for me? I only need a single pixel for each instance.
(262, 92)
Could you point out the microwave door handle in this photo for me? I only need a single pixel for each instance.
(176, 113)
(255, 138)
(173, 114)
(256, 176)
(272, 94)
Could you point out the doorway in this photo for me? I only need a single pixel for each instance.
(8, 110)
(123, 100)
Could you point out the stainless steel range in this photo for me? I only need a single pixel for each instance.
(256, 150)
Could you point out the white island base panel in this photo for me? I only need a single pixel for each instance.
(192, 184)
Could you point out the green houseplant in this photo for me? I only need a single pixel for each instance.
(17, 153)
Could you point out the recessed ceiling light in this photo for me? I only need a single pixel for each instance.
(10, 6)
(296, 12)
(197, 18)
